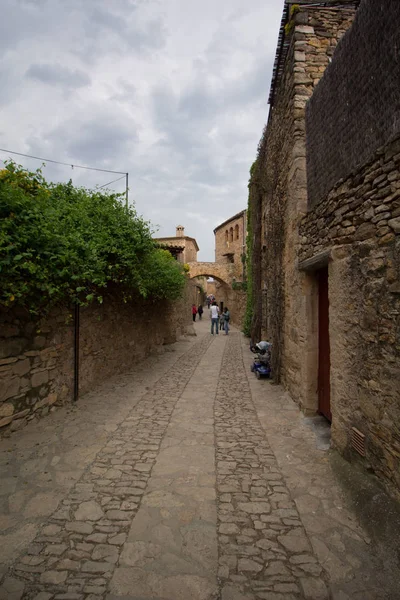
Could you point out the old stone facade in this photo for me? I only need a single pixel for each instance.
(330, 260)
(37, 358)
(306, 50)
(230, 243)
(182, 247)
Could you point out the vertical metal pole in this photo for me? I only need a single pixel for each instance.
(126, 192)
(76, 354)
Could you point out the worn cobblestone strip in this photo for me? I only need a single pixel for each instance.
(76, 552)
(264, 552)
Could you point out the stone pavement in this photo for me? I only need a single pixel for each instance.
(187, 479)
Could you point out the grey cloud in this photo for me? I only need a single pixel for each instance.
(116, 29)
(10, 85)
(100, 141)
(57, 74)
(199, 123)
(97, 138)
(91, 29)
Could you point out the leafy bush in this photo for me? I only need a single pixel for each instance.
(59, 242)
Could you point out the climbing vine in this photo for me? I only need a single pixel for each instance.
(63, 243)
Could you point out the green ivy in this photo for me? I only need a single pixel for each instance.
(62, 243)
(240, 285)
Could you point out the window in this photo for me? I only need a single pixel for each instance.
(226, 236)
(231, 234)
(236, 232)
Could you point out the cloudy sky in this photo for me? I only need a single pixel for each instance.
(173, 91)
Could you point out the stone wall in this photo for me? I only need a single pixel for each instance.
(357, 108)
(314, 35)
(37, 358)
(353, 157)
(235, 300)
(190, 252)
(359, 222)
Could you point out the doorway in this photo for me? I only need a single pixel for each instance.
(324, 360)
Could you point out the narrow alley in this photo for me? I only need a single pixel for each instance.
(189, 479)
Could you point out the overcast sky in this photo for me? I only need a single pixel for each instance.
(173, 91)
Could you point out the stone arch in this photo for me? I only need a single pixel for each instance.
(221, 272)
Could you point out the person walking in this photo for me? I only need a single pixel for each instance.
(194, 312)
(221, 321)
(214, 312)
(227, 317)
(200, 311)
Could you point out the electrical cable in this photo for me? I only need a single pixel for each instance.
(57, 162)
(110, 182)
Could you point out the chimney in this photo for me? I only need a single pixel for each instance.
(180, 231)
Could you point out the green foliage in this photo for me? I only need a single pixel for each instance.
(239, 285)
(290, 24)
(60, 243)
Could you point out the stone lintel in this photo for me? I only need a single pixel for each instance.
(316, 262)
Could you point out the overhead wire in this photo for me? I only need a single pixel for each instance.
(57, 162)
(110, 182)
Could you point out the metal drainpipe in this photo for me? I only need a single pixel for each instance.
(76, 353)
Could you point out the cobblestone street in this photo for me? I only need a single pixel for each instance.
(187, 479)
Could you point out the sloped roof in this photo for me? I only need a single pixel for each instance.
(239, 214)
(174, 240)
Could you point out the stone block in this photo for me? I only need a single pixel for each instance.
(305, 29)
(11, 388)
(6, 410)
(53, 577)
(22, 367)
(12, 347)
(39, 378)
(300, 56)
(5, 421)
(395, 224)
(365, 231)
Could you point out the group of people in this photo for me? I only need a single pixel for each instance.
(219, 320)
(197, 311)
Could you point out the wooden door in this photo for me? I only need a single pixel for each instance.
(324, 362)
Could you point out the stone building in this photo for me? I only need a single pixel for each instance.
(182, 247)
(230, 243)
(325, 207)
(230, 249)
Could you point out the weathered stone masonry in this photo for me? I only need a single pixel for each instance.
(358, 221)
(337, 208)
(354, 129)
(37, 357)
(308, 47)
